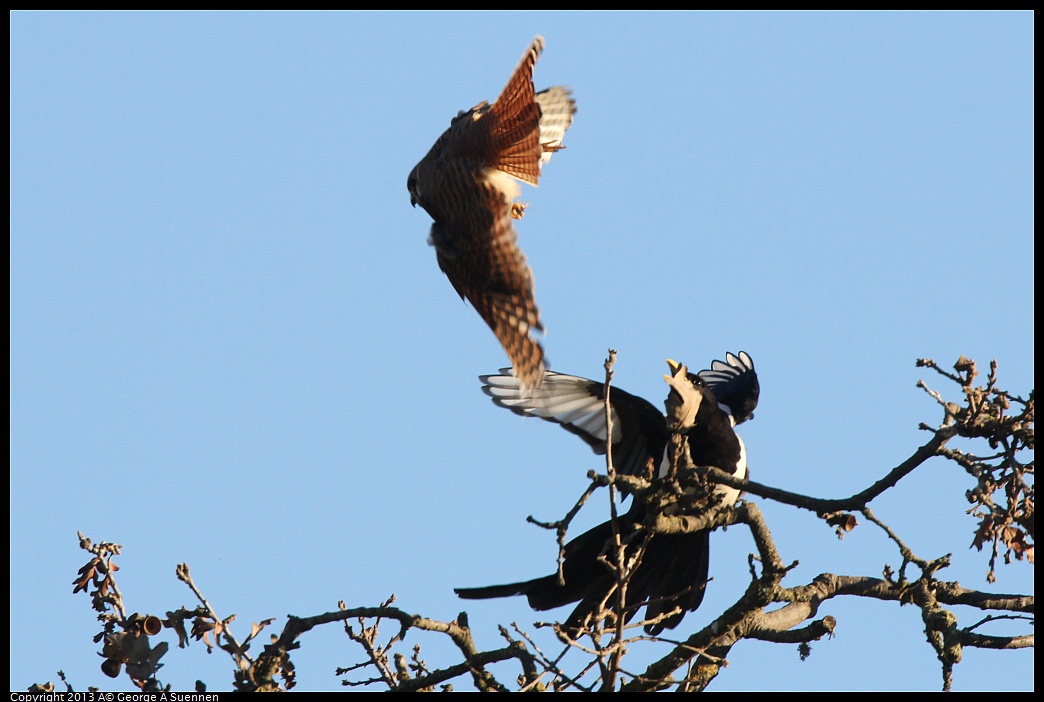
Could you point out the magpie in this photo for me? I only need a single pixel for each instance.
(672, 576)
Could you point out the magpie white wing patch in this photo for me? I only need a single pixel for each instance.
(568, 400)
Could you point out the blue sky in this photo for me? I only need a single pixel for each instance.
(231, 345)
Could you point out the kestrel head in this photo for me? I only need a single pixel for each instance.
(411, 185)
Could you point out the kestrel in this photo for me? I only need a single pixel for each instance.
(672, 576)
(469, 184)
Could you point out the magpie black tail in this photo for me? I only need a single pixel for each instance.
(491, 591)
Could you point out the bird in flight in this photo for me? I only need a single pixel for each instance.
(671, 578)
(469, 184)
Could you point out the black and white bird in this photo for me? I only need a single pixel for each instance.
(672, 576)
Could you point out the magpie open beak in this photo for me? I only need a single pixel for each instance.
(683, 402)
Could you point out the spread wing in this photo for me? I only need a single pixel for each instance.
(557, 108)
(578, 405)
(734, 383)
(491, 272)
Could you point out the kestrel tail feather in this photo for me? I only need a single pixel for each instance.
(516, 119)
(518, 93)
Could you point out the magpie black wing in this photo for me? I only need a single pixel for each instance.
(672, 577)
(578, 405)
(734, 383)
